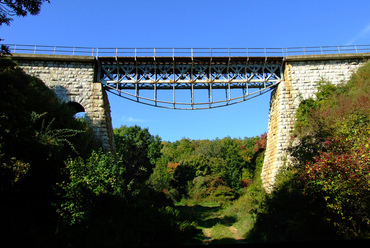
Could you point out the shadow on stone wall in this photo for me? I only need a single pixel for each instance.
(101, 124)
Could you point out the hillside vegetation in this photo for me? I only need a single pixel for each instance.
(326, 195)
(59, 189)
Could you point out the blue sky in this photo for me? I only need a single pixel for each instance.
(194, 23)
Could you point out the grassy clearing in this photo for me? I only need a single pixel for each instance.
(219, 224)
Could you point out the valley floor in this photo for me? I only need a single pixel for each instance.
(217, 227)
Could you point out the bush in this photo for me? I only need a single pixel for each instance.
(326, 194)
(210, 188)
(342, 179)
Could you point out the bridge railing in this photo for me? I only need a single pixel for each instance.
(190, 52)
(56, 50)
(327, 50)
(187, 52)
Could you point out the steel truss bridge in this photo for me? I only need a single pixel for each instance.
(189, 78)
(189, 82)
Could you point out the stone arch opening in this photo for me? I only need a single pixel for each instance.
(78, 109)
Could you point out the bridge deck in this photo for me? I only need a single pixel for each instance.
(189, 59)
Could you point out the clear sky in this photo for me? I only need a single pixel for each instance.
(194, 23)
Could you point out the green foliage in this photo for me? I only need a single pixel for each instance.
(210, 188)
(161, 177)
(230, 160)
(33, 121)
(326, 194)
(99, 175)
(139, 151)
(101, 208)
(37, 134)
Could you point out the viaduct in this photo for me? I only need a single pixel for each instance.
(82, 81)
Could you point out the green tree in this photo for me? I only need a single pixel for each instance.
(161, 177)
(99, 175)
(139, 151)
(235, 162)
(183, 174)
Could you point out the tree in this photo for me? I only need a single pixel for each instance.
(139, 151)
(161, 177)
(9, 8)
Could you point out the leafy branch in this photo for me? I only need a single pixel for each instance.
(48, 135)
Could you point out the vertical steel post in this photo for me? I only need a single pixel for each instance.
(228, 78)
(192, 95)
(173, 77)
(136, 79)
(117, 72)
(155, 79)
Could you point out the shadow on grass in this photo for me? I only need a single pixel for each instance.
(197, 212)
(224, 241)
(204, 216)
(207, 217)
(210, 222)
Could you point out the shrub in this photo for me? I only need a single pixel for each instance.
(210, 188)
(333, 153)
(342, 179)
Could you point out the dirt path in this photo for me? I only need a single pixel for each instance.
(236, 234)
(207, 236)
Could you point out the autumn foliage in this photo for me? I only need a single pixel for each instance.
(339, 171)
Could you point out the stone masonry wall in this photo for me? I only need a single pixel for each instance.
(302, 75)
(72, 78)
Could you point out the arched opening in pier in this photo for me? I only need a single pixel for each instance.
(78, 109)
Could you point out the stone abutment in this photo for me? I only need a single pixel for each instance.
(72, 78)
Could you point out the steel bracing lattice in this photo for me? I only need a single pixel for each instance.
(189, 82)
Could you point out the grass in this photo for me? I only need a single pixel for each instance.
(216, 222)
(221, 232)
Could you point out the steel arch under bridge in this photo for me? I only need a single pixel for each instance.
(189, 82)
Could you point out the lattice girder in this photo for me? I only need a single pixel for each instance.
(127, 76)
